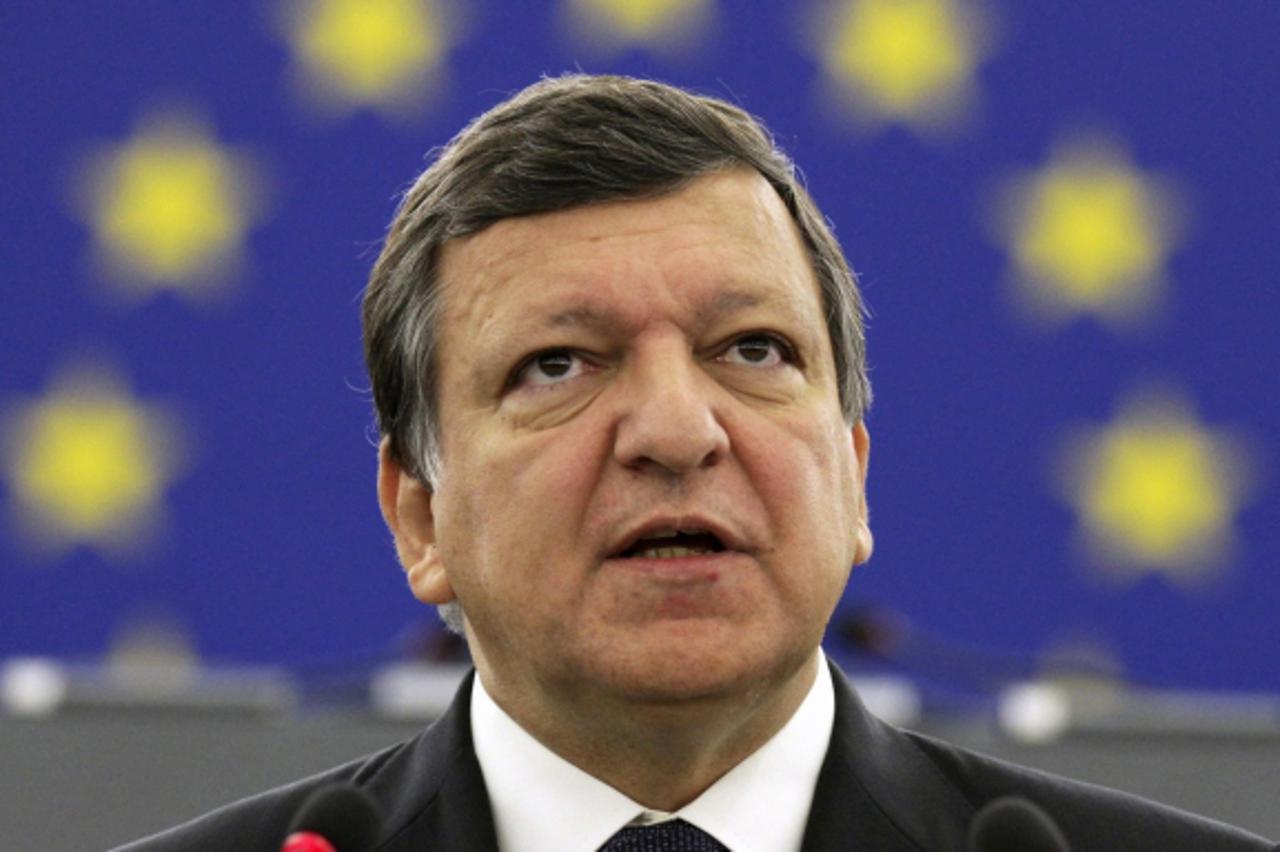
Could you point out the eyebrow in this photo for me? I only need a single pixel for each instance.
(723, 304)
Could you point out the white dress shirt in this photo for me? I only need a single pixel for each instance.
(543, 803)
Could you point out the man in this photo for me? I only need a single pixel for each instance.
(619, 368)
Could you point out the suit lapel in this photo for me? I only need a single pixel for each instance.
(437, 800)
(877, 791)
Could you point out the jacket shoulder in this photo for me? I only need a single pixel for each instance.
(429, 789)
(1090, 816)
(261, 821)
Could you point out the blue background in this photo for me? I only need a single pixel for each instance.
(275, 552)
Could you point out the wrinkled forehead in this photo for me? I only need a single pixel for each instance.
(725, 231)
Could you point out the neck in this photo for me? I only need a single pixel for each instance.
(662, 754)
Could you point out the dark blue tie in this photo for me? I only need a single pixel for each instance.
(674, 835)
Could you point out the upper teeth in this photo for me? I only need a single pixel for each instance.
(671, 552)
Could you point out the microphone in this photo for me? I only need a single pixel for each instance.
(1012, 824)
(336, 818)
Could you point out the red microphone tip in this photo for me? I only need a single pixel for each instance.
(306, 841)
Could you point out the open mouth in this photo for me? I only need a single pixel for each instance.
(673, 544)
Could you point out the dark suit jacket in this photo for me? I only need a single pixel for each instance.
(880, 790)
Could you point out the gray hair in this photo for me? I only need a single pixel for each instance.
(566, 142)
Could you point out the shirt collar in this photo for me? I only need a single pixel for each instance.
(543, 803)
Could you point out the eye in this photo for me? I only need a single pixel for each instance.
(758, 350)
(550, 367)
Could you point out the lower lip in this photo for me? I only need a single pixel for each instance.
(682, 570)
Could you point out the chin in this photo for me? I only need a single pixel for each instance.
(683, 668)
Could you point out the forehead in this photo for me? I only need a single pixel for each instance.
(724, 241)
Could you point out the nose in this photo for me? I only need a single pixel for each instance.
(667, 419)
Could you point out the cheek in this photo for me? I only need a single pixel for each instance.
(839, 463)
(545, 480)
(812, 469)
(520, 501)
(808, 480)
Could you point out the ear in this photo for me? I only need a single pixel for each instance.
(406, 507)
(863, 541)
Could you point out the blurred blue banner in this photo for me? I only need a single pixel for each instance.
(1064, 217)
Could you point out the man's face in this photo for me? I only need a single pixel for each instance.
(647, 490)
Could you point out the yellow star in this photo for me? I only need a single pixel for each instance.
(169, 208)
(906, 61)
(1088, 234)
(1155, 491)
(87, 464)
(367, 53)
(661, 24)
